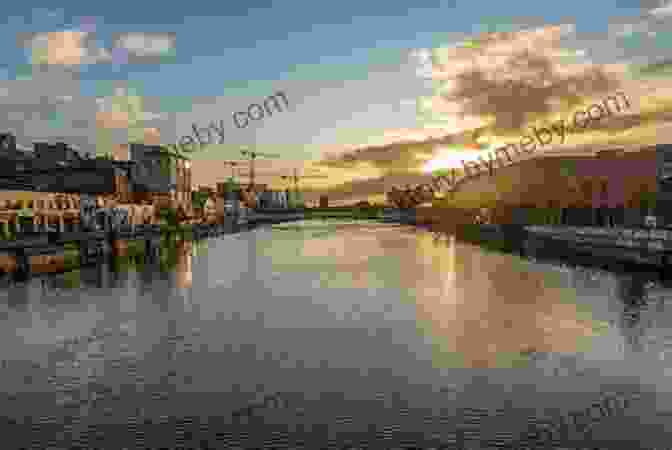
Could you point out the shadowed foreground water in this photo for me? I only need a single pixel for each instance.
(329, 334)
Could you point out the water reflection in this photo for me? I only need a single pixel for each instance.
(632, 292)
(496, 308)
(481, 309)
(460, 305)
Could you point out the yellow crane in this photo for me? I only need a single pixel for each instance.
(295, 178)
(233, 165)
(236, 173)
(252, 155)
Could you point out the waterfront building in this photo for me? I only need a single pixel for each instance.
(53, 168)
(324, 201)
(605, 186)
(228, 197)
(272, 199)
(183, 181)
(153, 171)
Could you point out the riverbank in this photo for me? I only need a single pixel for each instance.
(620, 248)
(29, 253)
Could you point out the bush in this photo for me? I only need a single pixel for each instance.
(169, 216)
(198, 199)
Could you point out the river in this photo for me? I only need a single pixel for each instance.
(323, 334)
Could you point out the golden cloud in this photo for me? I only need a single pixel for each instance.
(63, 47)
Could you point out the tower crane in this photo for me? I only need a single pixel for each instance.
(235, 172)
(295, 178)
(252, 155)
(233, 165)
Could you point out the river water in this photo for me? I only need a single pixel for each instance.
(323, 334)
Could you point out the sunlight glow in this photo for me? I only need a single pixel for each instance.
(453, 157)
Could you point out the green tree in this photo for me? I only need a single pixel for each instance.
(198, 199)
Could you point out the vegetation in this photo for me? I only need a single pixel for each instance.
(168, 217)
(647, 201)
(25, 212)
(71, 257)
(198, 199)
(72, 279)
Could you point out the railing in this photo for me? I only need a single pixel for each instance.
(39, 214)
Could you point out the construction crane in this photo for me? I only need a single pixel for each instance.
(296, 178)
(235, 173)
(240, 175)
(233, 165)
(252, 155)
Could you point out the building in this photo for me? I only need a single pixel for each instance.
(324, 201)
(55, 153)
(153, 171)
(664, 183)
(271, 199)
(183, 181)
(53, 168)
(589, 186)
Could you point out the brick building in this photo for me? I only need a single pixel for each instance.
(585, 182)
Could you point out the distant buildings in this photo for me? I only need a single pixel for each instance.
(324, 201)
(615, 185)
(183, 181)
(57, 167)
(153, 171)
(270, 199)
(52, 168)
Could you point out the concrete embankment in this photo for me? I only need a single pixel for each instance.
(620, 247)
(40, 252)
(275, 216)
(652, 247)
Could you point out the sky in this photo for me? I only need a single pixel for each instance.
(371, 86)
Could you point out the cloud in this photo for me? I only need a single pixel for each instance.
(74, 48)
(50, 107)
(66, 48)
(628, 29)
(663, 11)
(407, 154)
(58, 48)
(146, 48)
(498, 83)
(507, 79)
